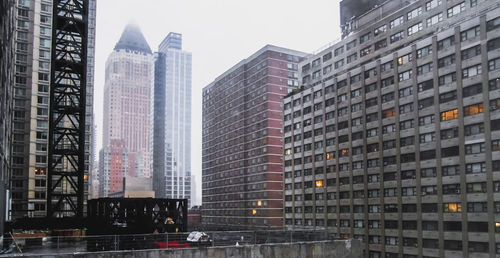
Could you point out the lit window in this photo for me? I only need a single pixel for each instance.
(449, 115)
(473, 109)
(319, 183)
(452, 207)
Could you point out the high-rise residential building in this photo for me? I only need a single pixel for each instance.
(242, 150)
(172, 120)
(127, 111)
(7, 34)
(395, 137)
(31, 105)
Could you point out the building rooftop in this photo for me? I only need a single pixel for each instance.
(132, 39)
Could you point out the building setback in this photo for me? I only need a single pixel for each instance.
(31, 89)
(395, 137)
(172, 120)
(127, 111)
(242, 167)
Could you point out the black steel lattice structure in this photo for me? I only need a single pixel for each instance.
(66, 155)
(136, 215)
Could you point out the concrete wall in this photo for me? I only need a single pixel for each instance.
(330, 249)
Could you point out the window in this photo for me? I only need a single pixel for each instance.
(447, 60)
(471, 52)
(493, 24)
(447, 97)
(470, 33)
(407, 108)
(432, 4)
(338, 51)
(427, 137)
(473, 109)
(364, 38)
(387, 82)
(405, 59)
(397, 36)
(493, 44)
(472, 90)
(380, 30)
(446, 43)
(425, 103)
(396, 22)
(449, 133)
(474, 148)
(352, 58)
(45, 19)
(475, 3)
(407, 124)
(434, 19)
(380, 44)
(390, 144)
(494, 64)
(339, 63)
(477, 207)
(327, 69)
(355, 78)
(456, 9)
(448, 78)
(479, 187)
(426, 85)
(449, 151)
(426, 155)
(452, 207)
(495, 145)
(479, 247)
(474, 129)
(350, 44)
(414, 13)
(372, 163)
(371, 132)
(429, 190)
(390, 192)
(449, 115)
(327, 56)
(405, 92)
(415, 28)
(406, 75)
(425, 51)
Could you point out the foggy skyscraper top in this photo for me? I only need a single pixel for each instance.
(172, 40)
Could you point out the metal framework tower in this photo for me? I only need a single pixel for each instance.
(66, 155)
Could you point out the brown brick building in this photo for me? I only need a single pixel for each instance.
(242, 140)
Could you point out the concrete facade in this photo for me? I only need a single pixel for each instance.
(394, 139)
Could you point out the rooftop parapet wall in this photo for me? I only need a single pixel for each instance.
(332, 249)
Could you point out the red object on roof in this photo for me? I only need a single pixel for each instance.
(173, 244)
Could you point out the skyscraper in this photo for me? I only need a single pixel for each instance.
(127, 111)
(31, 105)
(172, 120)
(394, 138)
(242, 140)
(7, 36)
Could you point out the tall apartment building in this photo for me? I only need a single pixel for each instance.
(7, 29)
(31, 105)
(172, 120)
(127, 111)
(242, 152)
(395, 139)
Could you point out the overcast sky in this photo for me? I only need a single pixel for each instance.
(219, 33)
